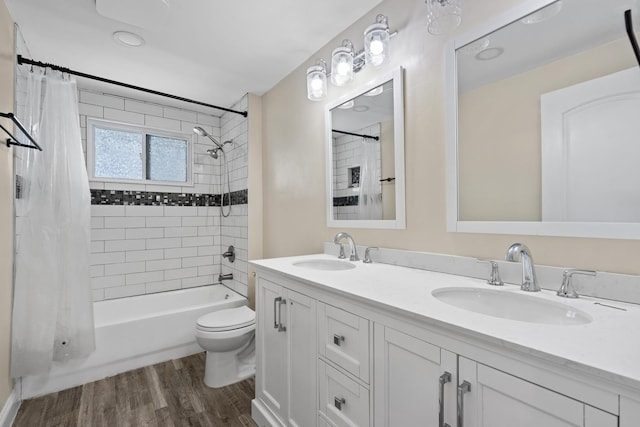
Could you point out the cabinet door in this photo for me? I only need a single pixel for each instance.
(407, 378)
(301, 331)
(271, 349)
(497, 399)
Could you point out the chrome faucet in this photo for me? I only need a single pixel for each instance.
(519, 252)
(353, 251)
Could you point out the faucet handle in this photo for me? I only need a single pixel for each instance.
(494, 279)
(341, 255)
(567, 289)
(367, 254)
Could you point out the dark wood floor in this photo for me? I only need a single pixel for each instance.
(167, 394)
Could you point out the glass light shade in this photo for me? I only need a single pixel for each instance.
(341, 66)
(443, 15)
(376, 42)
(316, 83)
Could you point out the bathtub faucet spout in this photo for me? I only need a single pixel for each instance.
(222, 277)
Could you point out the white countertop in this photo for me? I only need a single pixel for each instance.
(608, 347)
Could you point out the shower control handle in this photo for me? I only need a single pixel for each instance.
(230, 253)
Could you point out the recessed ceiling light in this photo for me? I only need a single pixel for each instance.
(347, 105)
(375, 91)
(360, 108)
(128, 39)
(474, 47)
(489, 54)
(543, 14)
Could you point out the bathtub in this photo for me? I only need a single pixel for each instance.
(137, 331)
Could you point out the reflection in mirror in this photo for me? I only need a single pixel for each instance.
(365, 148)
(547, 121)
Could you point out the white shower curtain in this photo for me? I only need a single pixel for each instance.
(370, 195)
(52, 306)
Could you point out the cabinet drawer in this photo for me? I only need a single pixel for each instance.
(344, 340)
(343, 402)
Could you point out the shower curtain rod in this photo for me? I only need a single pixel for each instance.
(23, 60)
(377, 138)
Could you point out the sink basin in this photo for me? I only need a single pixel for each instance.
(325, 264)
(513, 306)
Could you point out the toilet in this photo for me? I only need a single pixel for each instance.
(228, 336)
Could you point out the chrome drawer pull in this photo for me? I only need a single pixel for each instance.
(281, 327)
(463, 388)
(275, 306)
(444, 378)
(337, 339)
(338, 402)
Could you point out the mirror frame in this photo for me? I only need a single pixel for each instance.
(622, 230)
(398, 146)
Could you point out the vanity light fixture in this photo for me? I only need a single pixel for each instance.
(345, 61)
(376, 42)
(317, 81)
(342, 64)
(443, 16)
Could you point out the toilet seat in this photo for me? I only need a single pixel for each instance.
(227, 320)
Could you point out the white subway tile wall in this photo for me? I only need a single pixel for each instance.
(145, 249)
(347, 151)
(234, 228)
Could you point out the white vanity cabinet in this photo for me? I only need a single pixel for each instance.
(286, 386)
(329, 359)
(344, 360)
(414, 380)
(493, 398)
(417, 382)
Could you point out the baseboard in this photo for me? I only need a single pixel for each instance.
(10, 409)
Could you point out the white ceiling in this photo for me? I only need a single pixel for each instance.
(580, 25)
(213, 51)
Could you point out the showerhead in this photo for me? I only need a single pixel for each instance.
(202, 132)
(213, 153)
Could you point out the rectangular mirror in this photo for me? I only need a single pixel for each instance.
(365, 156)
(542, 123)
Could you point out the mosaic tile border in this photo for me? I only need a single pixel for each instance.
(152, 198)
(345, 201)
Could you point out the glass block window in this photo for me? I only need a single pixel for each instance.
(117, 152)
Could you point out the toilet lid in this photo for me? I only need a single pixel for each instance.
(226, 320)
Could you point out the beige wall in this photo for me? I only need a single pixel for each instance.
(6, 202)
(499, 144)
(254, 185)
(294, 165)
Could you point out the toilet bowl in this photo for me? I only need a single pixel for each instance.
(228, 337)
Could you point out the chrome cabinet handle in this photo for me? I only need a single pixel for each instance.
(337, 339)
(444, 378)
(463, 388)
(275, 306)
(338, 402)
(281, 327)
